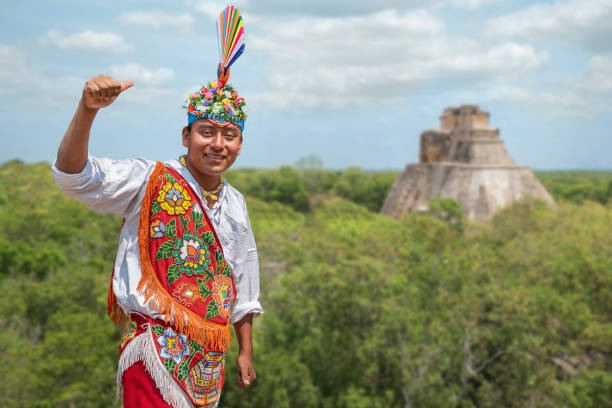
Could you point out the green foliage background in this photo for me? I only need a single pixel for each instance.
(361, 310)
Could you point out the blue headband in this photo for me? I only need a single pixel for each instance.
(192, 118)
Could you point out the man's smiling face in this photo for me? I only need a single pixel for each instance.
(211, 147)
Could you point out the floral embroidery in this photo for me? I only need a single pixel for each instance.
(173, 346)
(185, 261)
(157, 229)
(222, 293)
(197, 369)
(187, 294)
(128, 334)
(173, 199)
(190, 255)
(222, 268)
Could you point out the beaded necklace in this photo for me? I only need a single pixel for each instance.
(212, 194)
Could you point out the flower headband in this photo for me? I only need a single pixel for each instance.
(219, 101)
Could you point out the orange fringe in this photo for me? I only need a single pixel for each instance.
(113, 310)
(183, 320)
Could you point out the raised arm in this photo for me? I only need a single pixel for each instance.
(98, 92)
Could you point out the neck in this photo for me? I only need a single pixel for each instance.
(206, 181)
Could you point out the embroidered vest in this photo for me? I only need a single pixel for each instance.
(184, 272)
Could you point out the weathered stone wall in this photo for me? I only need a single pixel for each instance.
(479, 152)
(469, 116)
(480, 190)
(434, 146)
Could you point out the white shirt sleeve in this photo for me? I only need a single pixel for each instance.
(107, 186)
(246, 277)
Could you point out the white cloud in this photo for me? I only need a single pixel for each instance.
(141, 75)
(10, 56)
(212, 8)
(12, 65)
(88, 40)
(557, 102)
(163, 97)
(583, 22)
(579, 95)
(158, 19)
(384, 55)
(149, 85)
(497, 62)
(598, 79)
(20, 78)
(326, 8)
(472, 4)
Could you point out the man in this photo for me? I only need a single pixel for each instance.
(186, 264)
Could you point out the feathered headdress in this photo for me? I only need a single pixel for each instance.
(218, 100)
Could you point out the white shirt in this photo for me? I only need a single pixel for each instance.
(118, 187)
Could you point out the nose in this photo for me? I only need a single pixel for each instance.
(218, 142)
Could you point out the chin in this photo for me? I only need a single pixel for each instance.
(215, 170)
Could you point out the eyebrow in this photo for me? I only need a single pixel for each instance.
(206, 126)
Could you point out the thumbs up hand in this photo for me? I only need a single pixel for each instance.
(102, 90)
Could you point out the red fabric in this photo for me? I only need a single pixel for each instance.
(139, 389)
(208, 269)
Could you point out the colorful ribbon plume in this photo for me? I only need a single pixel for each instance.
(230, 32)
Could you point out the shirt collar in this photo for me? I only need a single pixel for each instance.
(184, 171)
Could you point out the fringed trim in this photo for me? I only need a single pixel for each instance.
(183, 320)
(113, 310)
(142, 349)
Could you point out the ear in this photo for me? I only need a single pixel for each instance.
(240, 145)
(185, 136)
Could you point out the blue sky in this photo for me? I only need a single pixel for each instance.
(354, 83)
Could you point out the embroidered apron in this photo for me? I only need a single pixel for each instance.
(187, 280)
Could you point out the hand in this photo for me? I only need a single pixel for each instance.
(102, 90)
(246, 371)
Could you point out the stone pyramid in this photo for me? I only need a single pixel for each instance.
(465, 160)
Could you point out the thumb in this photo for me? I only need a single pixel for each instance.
(245, 377)
(126, 84)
